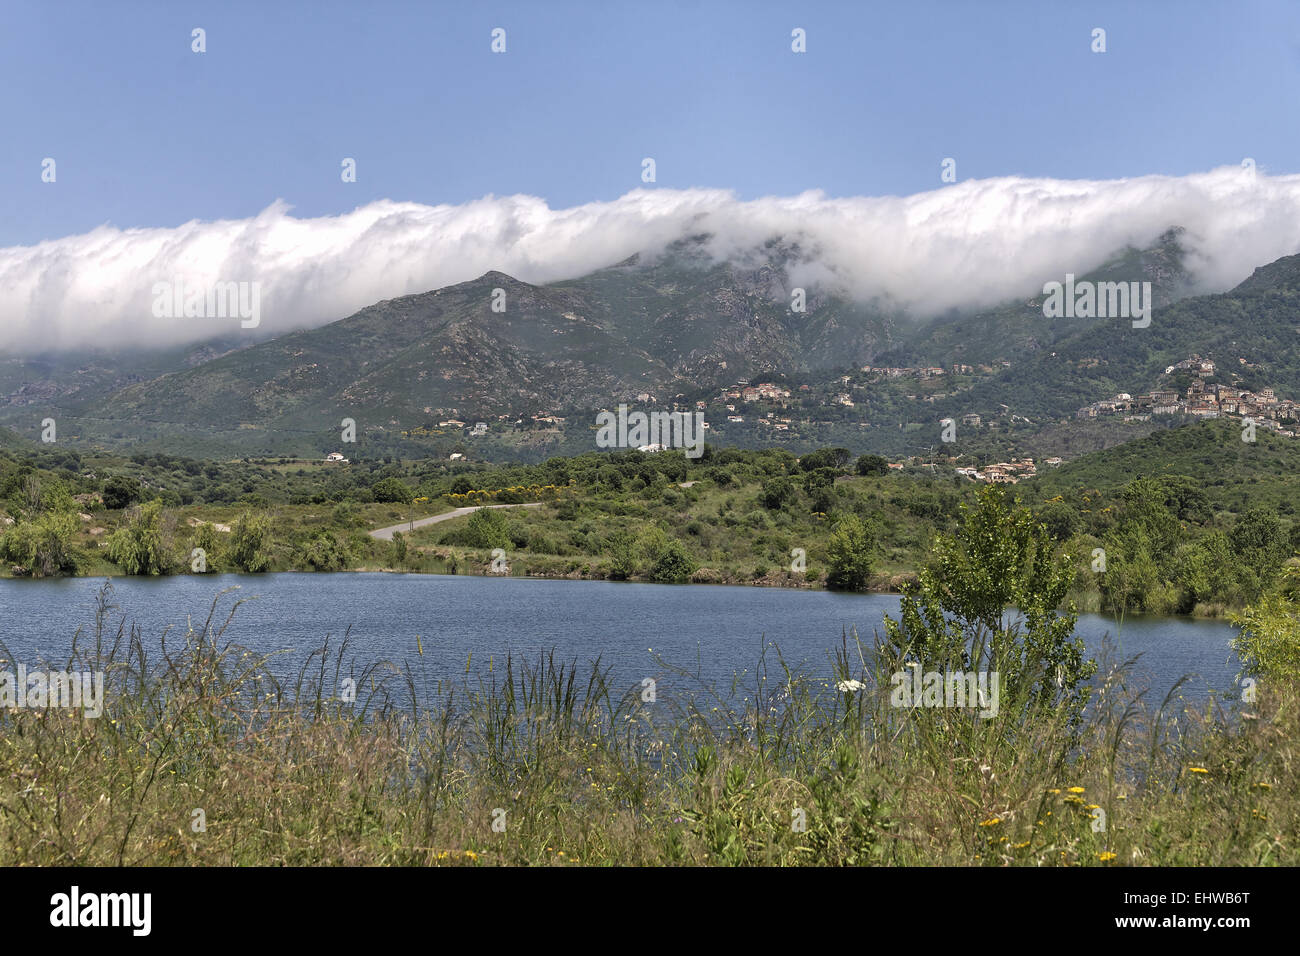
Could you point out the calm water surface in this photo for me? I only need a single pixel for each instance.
(718, 631)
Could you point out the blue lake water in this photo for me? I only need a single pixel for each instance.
(718, 631)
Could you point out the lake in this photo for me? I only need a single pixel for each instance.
(718, 631)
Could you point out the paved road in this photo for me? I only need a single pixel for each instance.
(386, 534)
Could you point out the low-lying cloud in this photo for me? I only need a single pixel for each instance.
(972, 244)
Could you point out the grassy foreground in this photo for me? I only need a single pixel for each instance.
(203, 757)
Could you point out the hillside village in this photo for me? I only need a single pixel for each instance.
(787, 412)
(1203, 398)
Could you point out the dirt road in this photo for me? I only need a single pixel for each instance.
(386, 534)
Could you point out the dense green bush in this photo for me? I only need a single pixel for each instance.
(120, 491)
(849, 555)
(138, 548)
(673, 563)
(250, 543)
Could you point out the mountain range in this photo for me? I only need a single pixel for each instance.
(677, 327)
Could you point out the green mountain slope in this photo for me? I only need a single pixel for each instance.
(1019, 330)
(679, 326)
(1233, 474)
(664, 328)
(1252, 333)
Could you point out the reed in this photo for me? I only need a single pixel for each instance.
(780, 768)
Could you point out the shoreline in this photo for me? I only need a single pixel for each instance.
(703, 577)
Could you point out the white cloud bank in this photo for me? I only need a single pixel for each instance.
(975, 243)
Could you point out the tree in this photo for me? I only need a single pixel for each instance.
(621, 549)
(833, 458)
(1146, 510)
(43, 546)
(487, 528)
(208, 539)
(673, 564)
(849, 555)
(1258, 540)
(120, 491)
(1269, 641)
(138, 547)
(872, 465)
(249, 548)
(954, 616)
(392, 490)
(1205, 571)
(1061, 520)
(817, 479)
(322, 552)
(776, 493)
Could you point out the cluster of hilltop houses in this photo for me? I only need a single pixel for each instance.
(1202, 399)
(764, 391)
(932, 371)
(1005, 472)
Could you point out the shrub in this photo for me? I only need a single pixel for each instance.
(621, 549)
(250, 543)
(954, 616)
(487, 528)
(673, 564)
(1269, 642)
(776, 493)
(322, 552)
(207, 538)
(391, 491)
(849, 555)
(138, 548)
(120, 491)
(43, 547)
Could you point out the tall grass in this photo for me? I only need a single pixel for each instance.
(573, 769)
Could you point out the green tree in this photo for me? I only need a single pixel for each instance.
(138, 547)
(849, 555)
(1269, 639)
(250, 543)
(487, 528)
(776, 493)
(120, 491)
(392, 490)
(1061, 520)
(1260, 542)
(833, 458)
(43, 546)
(673, 564)
(322, 552)
(872, 465)
(208, 539)
(955, 616)
(1206, 571)
(621, 550)
(818, 479)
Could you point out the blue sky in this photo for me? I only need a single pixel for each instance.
(147, 133)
